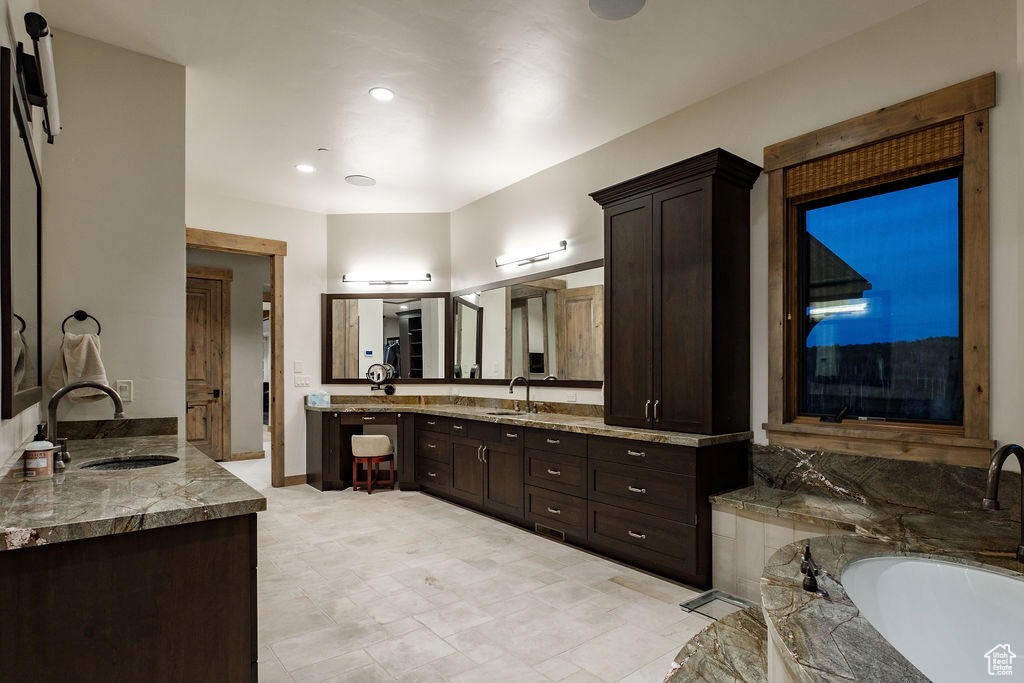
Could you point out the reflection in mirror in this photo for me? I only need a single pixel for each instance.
(20, 247)
(548, 326)
(406, 333)
(468, 337)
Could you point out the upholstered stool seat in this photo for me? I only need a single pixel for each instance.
(370, 450)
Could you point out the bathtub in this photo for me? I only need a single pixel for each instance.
(954, 622)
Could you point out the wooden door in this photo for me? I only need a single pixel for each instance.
(628, 302)
(207, 360)
(579, 314)
(682, 319)
(467, 470)
(503, 466)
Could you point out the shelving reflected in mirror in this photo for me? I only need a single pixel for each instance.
(405, 331)
(548, 325)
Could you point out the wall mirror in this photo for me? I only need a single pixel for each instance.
(20, 202)
(543, 325)
(406, 331)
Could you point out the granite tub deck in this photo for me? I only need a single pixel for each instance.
(80, 503)
(730, 649)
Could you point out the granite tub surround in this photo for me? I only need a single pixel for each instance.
(81, 503)
(480, 409)
(730, 649)
(816, 638)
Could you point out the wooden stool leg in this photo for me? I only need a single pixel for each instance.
(354, 466)
(369, 476)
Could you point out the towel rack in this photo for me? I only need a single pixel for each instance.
(20, 320)
(81, 315)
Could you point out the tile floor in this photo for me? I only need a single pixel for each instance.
(400, 586)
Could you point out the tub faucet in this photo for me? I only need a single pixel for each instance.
(526, 382)
(991, 500)
(51, 408)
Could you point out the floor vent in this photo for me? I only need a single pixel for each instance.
(549, 532)
(715, 604)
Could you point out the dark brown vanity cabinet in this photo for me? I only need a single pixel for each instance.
(487, 467)
(433, 453)
(556, 483)
(677, 296)
(329, 445)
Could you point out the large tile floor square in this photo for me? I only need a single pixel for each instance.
(400, 586)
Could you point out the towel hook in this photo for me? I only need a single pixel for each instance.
(20, 320)
(81, 315)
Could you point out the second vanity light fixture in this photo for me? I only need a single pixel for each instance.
(389, 280)
(526, 256)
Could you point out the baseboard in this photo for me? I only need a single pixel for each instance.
(250, 455)
(295, 480)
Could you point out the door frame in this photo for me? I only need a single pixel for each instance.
(224, 276)
(275, 251)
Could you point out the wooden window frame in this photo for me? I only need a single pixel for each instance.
(969, 444)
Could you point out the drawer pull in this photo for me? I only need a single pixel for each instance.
(459, 427)
(367, 418)
(554, 511)
(633, 489)
(431, 445)
(510, 435)
(556, 473)
(432, 474)
(637, 454)
(637, 535)
(554, 442)
(431, 422)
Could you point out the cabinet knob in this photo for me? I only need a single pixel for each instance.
(634, 489)
(636, 534)
(554, 511)
(556, 473)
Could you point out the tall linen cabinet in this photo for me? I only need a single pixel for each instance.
(677, 296)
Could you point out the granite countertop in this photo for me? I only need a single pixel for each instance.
(580, 424)
(827, 639)
(730, 649)
(81, 503)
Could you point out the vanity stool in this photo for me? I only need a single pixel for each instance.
(370, 450)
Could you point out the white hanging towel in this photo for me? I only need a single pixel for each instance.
(77, 361)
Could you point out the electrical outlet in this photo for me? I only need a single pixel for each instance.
(123, 387)
(570, 397)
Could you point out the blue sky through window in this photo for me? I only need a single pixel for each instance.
(906, 244)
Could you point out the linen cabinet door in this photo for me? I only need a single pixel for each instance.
(628, 313)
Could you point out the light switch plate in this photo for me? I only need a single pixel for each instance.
(300, 366)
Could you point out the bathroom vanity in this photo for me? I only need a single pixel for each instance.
(138, 574)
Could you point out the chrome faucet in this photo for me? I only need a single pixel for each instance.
(991, 500)
(51, 408)
(526, 382)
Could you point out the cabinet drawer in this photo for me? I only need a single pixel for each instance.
(677, 459)
(510, 436)
(556, 442)
(557, 472)
(369, 419)
(432, 423)
(471, 429)
(434, 475)
(644, 490)
(557, 510)
(433, 446)
(643, 538)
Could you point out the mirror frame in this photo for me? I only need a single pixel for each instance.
(11, 402)
(327, 336)
(575, 268)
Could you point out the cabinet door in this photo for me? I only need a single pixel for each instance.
(504, 470)
(628, 309)
(332, 451)
(682, 312)
(467, 470)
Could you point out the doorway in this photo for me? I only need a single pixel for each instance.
(275, 251)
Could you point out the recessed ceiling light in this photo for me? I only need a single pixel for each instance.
(305, 168)
(360, 180)
(382, 94)
(614, 10)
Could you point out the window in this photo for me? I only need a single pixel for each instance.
(880, 297)
(878, 281)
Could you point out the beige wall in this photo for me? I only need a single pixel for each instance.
(932, 46)
(250, 274)
(113, 211)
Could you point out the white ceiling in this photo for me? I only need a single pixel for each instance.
(488, 91)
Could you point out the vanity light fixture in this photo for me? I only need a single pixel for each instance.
(360, 180)
(305, 168)
(531, 256)
(389, 280)
(382, 94)
(40, 77)
(857, 307)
